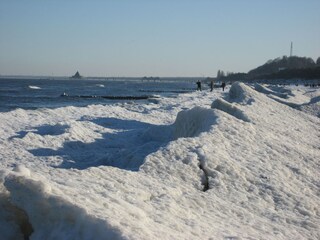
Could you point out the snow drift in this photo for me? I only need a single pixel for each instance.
(243, 167)
(50, 216)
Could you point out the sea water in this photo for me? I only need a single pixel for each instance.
(33, 93)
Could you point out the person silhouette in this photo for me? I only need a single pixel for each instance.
(223, 85)
(198, 85)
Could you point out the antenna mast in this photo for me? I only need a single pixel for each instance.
(291, 50)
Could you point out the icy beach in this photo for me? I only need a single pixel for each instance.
(239, 164)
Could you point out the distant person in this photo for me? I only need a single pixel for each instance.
(223, 85)
(198, 85)
(211, 86)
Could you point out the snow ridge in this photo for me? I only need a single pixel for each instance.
(240, 167)
(225, 106)
(52, 217)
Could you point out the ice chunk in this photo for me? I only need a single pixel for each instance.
(265, 90)
(229, 108)
(53, 217)
(34, 87)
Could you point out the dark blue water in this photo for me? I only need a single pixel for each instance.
(40, 93)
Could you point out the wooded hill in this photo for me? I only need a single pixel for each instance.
(280, 68)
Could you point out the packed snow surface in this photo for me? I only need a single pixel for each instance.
(241, 164)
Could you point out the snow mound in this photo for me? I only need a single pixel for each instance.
(204, 174)
(230, 109)
(239, 92)
(313, 107)
(265, 90)
(48, 216)
(190, 123)
(285, 102)
(306, 100)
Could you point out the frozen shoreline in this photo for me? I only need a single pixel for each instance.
(257, 155)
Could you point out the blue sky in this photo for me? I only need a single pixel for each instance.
(152, 37)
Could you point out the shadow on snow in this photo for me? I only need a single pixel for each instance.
(125, 147)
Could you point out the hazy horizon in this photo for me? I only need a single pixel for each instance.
(152, 38)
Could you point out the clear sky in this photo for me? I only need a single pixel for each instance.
(152, 37)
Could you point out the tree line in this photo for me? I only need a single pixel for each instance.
(279, 68)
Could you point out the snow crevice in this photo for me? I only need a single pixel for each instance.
(205, 177)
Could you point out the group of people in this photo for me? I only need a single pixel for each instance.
(223, 85)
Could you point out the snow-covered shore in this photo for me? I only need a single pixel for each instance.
(243, 164)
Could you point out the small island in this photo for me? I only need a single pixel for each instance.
(77, 75)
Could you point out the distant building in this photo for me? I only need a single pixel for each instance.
(77, 75)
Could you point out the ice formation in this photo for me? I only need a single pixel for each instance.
(190, 167)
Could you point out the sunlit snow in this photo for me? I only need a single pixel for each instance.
(239, 164)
